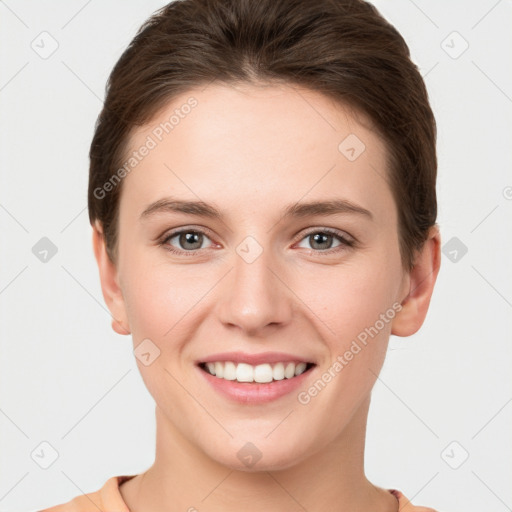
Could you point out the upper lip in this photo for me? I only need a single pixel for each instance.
(254, 359)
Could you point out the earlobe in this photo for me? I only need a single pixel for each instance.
(421, 281)
(110, 288)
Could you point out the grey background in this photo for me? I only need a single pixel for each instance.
(67, 379)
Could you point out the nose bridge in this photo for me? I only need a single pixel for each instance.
(254, 296)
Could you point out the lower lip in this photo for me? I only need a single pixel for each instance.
(254, 392)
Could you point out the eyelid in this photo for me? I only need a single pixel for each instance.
(192, 227)
(164, 239)
(324, 229)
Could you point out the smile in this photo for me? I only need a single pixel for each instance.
(261, 373)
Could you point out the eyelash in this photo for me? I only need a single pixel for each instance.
(344, 241)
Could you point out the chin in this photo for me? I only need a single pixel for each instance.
(259, 455)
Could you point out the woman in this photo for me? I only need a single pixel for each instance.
(292, 144)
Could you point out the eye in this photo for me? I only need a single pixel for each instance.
(188, 240)
(322, 240)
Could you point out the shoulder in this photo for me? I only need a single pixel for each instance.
(108, 497)
(405, 505)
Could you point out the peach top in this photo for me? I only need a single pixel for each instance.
(109, 499)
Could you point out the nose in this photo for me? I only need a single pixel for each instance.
(255, 297)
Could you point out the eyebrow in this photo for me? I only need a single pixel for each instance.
(296, 210)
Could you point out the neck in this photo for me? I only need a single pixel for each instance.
(185, 478)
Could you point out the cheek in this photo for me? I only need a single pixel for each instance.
(358, 310)
(351, 299)
(160, 307)
(157, 298)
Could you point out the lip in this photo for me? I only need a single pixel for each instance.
(255, 392)
(255, 359)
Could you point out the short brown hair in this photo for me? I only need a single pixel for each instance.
(342, 48)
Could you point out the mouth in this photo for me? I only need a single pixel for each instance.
(255, 378)
(256, 374)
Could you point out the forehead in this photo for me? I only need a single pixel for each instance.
(275, 143)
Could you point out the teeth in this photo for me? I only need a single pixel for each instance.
(219, 370)
(278, 371)
(289, 371)
(300, 368)
(229, 371)
(261, 373)
(244, 373)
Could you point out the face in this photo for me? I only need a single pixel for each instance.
(267, 280)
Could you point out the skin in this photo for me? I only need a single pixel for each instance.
(251, 150)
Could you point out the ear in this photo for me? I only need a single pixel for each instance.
(419, 285)
(109, 282)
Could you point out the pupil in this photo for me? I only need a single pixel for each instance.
(316, 236)
(192, 238)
